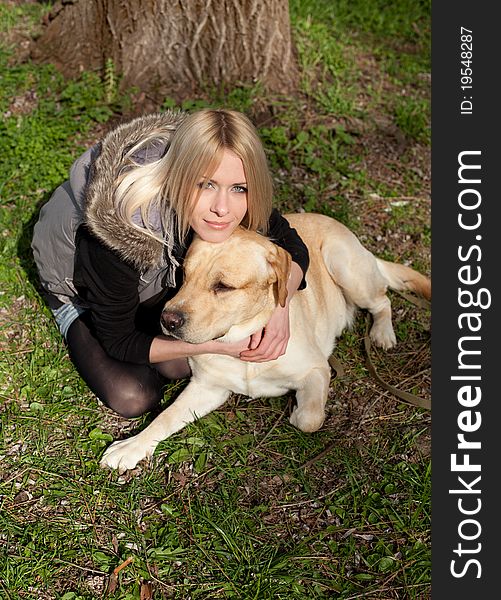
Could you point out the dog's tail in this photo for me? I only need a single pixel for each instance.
(401, 278)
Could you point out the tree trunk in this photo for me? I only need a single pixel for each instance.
(174, 48)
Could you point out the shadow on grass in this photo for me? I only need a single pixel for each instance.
(24, 251)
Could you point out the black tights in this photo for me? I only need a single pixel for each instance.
(129, 389)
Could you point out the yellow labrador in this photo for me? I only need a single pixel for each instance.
(231, 290)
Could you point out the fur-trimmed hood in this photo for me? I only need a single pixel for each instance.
(143, 251)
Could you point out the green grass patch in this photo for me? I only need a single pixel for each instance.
(44, 119)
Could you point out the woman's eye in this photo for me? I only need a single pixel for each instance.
(205, 185)
(240, 189)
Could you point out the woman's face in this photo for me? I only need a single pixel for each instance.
(222, 203)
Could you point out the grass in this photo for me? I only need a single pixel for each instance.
(240, 504)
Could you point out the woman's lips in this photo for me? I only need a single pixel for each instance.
(216, 224)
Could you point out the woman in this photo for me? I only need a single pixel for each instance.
(109, 244)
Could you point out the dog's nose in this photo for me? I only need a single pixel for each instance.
(172, 320)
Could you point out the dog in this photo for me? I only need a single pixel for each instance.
(231, 289)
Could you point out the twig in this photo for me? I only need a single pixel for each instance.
(301, 502)
(126, 562)
(313, 460)
(279, 419)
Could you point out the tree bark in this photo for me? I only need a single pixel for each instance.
(175, 48)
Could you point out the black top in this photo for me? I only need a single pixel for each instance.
(109, 285)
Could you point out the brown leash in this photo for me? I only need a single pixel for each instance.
(336, 365)
(405, 396)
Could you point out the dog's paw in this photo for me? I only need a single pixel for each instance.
(307, 420)
(126, 454)
(383, 337)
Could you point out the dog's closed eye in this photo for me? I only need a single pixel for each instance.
(222, 287)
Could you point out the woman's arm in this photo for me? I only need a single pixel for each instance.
(281, 233)
(163, 348)
(109, 286)
(271, 342)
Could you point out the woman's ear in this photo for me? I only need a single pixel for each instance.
(280, 262)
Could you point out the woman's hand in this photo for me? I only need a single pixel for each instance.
(271, 342)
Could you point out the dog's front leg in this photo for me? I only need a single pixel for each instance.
(195, 401)
(311, 397)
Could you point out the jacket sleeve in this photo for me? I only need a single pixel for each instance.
(285, 236)
(110, 287)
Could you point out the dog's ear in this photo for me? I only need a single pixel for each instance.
(280, 261)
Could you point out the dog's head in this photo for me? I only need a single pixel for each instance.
(230, 289)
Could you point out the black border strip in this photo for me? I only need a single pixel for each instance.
(465, 250)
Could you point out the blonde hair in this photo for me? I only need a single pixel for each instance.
(167, 187)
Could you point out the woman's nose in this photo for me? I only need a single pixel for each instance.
(220, 205)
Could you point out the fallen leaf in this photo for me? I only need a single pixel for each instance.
(146, 591)
(112, 584)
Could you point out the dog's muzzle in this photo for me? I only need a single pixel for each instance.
(171, 321)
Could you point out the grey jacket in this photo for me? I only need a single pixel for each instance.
(87, 197)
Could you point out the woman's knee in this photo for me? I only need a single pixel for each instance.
(132, 398)
(128, 389)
